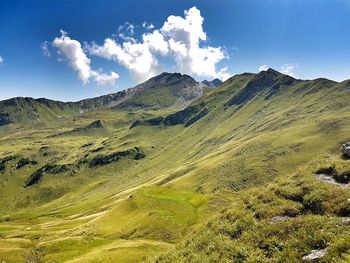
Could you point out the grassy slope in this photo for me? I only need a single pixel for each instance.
(188, 174)
(281, 221)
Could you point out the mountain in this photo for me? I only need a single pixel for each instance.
(163, 91)
(214, 83)
(265, 84)
(250, 171)
(172, 89)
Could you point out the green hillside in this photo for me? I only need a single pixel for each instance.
(179, 172)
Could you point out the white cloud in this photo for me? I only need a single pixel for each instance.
(289, 69)
(45, 48)
(179, 39)
(148, 26)
(71, 49)
(263, 68)
(104, 79)
(136, 57)
(184, 36)
(1, 60)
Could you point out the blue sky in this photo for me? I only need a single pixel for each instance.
(304, 38)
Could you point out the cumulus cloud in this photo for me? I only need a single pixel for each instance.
(178, 39)
(45, 49)
(1, 60)
(263, 68)
(71, 49)
(289, 69)
(148, 26)
(184, 36)
(156, 42)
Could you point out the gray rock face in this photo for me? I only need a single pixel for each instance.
(346, 149)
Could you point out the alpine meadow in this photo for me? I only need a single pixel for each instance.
(174, 131)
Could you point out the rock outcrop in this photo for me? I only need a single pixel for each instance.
(4, 119)
(24, 162)
(49, 169)
(100, 160)
(341, 177)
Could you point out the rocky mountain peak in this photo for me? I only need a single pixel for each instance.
(268, 82)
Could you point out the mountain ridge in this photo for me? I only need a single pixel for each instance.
(178, 90)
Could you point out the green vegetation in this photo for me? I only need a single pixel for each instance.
(250, 171)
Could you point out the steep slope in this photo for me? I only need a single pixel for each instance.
(235, 147)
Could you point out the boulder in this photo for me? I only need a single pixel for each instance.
(315, 255)
(346, 149)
